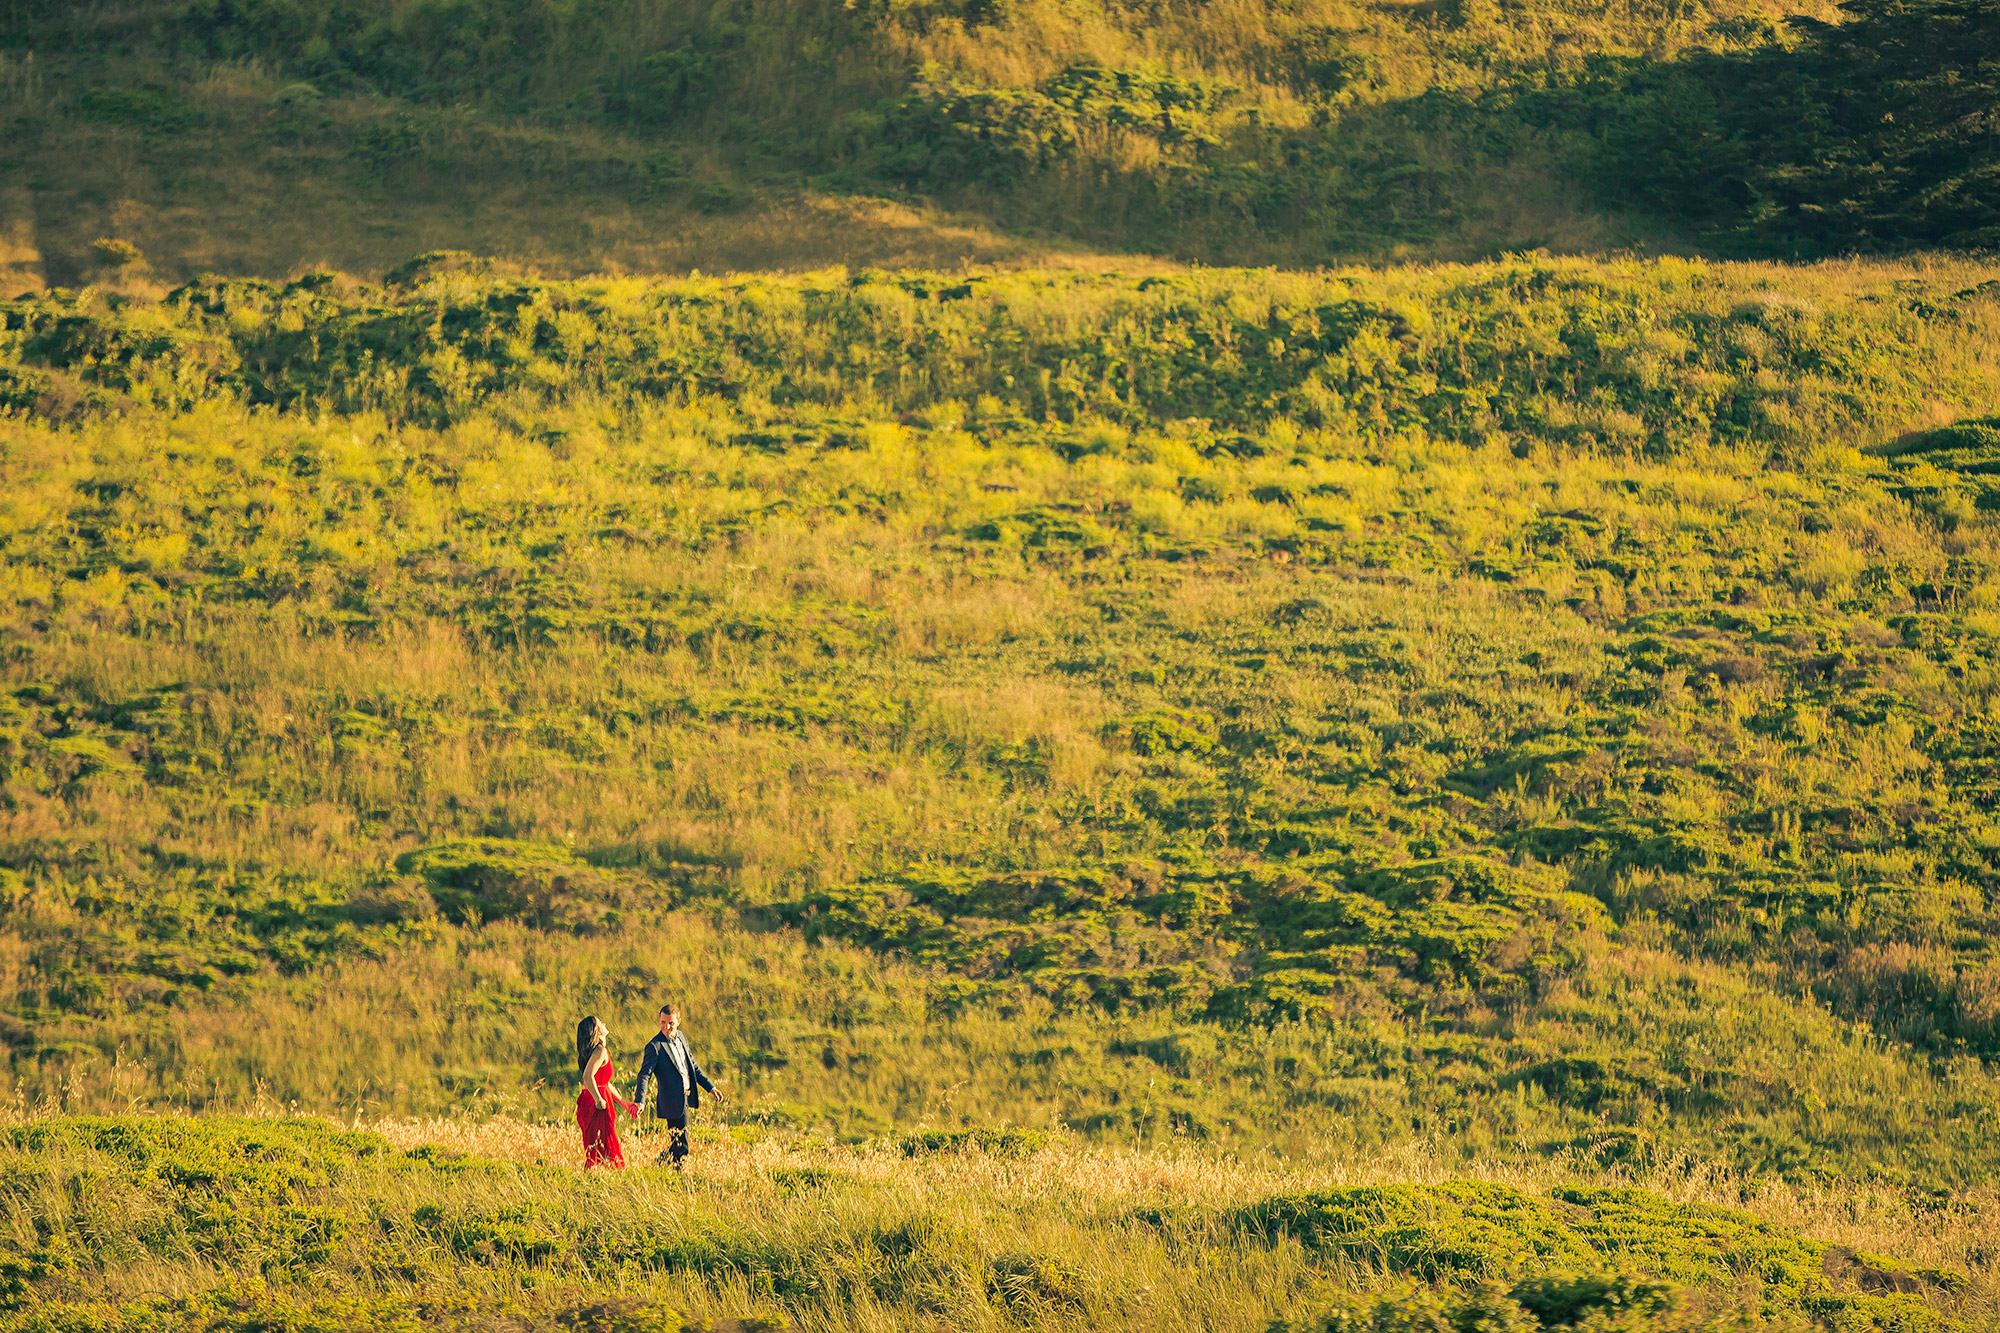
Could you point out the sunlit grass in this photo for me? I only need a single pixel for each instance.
(1299, 799)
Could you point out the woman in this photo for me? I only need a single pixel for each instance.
(596, 1113)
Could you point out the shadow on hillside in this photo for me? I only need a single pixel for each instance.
(1802, 141)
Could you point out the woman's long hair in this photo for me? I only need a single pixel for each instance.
(586, 1041)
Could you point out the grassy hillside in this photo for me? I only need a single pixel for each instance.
(1425, 786)
(294, 1225)
(266, 135)
(1541, 705)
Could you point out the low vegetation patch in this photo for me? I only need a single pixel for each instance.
(1008, 1142)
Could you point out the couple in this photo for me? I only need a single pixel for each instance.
(667, 1058)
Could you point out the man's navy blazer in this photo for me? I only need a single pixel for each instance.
(674, 1099)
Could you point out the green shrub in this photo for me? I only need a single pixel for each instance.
(1606, 1300)
(151, 109)
(943, 130)
(1552, 1249)
(624, 1315)
(1034, 1283)
(496, 879)
(1848, 135)
(1008, 1142)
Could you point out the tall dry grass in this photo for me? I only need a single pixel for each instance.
(814, 1211)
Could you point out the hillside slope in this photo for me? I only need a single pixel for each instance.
(260, 135)
(1547, 703)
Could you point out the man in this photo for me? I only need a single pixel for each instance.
(681, 1081)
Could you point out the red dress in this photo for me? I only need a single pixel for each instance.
(600, 1123)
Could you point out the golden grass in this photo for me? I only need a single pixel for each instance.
(578, 742)
(1072, 1200)
(729, 1166)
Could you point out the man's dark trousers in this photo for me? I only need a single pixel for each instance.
(677, 1141)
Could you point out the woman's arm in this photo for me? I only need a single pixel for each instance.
(590, 1068)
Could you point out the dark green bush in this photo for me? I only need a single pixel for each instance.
(944, 131)
(1035, 1283)
(1008, 1142)
(152, 109)
(495, 879)
(1605, 1300)
(1862, 134)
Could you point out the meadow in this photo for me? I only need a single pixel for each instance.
(1440, 797)
(287, 1224)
